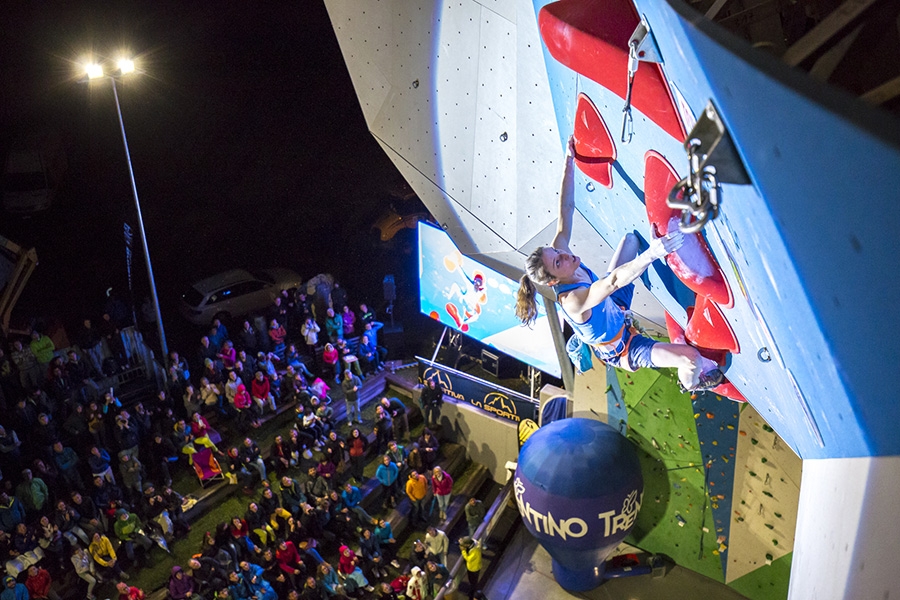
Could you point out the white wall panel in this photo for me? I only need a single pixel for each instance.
(539, 151)
(494, 169)
(456, 70)
(504, 8)
(846, 543)
(407, 121)
(462, 226)
(359, 35)
(406, 124)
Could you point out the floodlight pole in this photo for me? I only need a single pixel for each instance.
(140, 219)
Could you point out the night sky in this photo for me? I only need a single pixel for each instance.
(248, 146)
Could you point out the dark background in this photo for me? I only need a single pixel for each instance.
(248, 146)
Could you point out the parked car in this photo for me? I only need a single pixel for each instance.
(235, 293)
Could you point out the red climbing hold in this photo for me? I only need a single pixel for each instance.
(591, 38)
(677, 336)
(708, 328)
(595, 151)
(693, 263)
(676, 331)
(727, 389)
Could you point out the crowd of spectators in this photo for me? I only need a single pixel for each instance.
(86, 480)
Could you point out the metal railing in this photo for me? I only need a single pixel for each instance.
(482, 533)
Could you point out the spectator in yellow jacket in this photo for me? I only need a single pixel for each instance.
(471, 553)
(103, 553)
(416, 490)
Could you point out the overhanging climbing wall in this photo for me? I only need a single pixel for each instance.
(469, 102)
(474, 107)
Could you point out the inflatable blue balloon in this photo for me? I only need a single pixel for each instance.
(578, 487)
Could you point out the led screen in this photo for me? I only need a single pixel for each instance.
(478, 301)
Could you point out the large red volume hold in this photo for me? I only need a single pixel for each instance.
(591, 38)
(595, 150)
(676, 336)
(693, 263)
(708, 328)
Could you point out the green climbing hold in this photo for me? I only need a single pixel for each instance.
(754, 441)
(767, 428)
(770, 526)
(764, 460)
(769, 494)
(778, 515)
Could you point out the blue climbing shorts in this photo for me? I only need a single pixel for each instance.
(637, 355)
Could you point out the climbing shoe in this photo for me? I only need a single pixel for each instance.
(709, 380)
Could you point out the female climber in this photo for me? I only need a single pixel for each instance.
(598, 308)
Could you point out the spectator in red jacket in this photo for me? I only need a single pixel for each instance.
(248, 411)
(330, 358)
(38, 584)
(240, 533)
(277, 334)
(128, 592)
(289, 561)
(442, 484)
(261, 391)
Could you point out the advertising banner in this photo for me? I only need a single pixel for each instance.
(500, 402)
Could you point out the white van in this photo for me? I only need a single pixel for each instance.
(235, 293)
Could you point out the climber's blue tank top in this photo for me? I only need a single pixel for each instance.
(607, 321)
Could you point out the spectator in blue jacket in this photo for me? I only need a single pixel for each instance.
(100, 464)
(12, 512)
(368, 355)
(13, 590)
(386, 541)
(252, 574)
(67, 462)
(334, 326)
(329, 578)
(388, 475)
(370, 548)
(352, 497)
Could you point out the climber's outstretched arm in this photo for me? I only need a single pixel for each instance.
(566, 201)
(619, 277)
